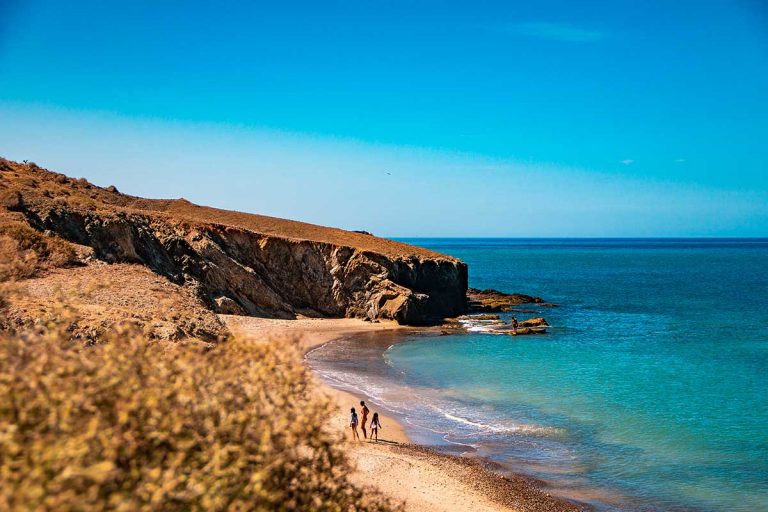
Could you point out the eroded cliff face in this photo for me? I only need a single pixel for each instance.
(235, 268)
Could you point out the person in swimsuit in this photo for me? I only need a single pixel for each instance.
(375, 426)
(353, 424)
(514, 325)
(364, 411)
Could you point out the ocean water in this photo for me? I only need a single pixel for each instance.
(650, 392)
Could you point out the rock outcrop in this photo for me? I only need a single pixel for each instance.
(242, 263)
(534, 322)
(494, 301)
(493, 324)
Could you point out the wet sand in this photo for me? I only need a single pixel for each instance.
(425, 480)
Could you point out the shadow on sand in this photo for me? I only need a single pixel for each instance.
(383, 441)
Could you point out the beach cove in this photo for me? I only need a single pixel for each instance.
(425, 479)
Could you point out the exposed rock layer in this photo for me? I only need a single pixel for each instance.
(238, 262)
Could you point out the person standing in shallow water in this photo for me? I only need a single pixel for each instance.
(353, 424)
(514, 325)
(364, 411)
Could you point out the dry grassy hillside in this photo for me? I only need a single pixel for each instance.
(39, 185)
(232, 262)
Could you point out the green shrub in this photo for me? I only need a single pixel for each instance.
(131, 424)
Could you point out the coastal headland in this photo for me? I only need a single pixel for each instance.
(423, 478)
(238, 263)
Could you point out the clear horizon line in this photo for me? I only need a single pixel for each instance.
(576, 237)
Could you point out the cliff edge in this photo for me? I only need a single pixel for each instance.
(239, 263)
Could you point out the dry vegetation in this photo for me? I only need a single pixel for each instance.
(108, 295)
(132, 424)
(135, 423)
(25, 252)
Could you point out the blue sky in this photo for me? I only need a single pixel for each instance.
(611, 118)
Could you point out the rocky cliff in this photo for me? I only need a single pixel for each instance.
(240, 263)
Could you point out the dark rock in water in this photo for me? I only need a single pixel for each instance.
(482, 316)
(494, 301)
(521, 331)
(492, 324)
(530, 326)
(533, 322)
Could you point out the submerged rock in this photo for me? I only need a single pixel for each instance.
(521, 331)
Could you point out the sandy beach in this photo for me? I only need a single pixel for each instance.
(426, 481)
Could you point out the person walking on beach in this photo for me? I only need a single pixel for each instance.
(353, 424)
(364, 411)
(375, 426)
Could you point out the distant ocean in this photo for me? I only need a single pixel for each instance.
(650, 392)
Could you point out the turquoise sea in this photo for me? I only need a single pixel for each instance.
(650, 392)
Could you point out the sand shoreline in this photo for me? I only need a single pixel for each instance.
(422, 478)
